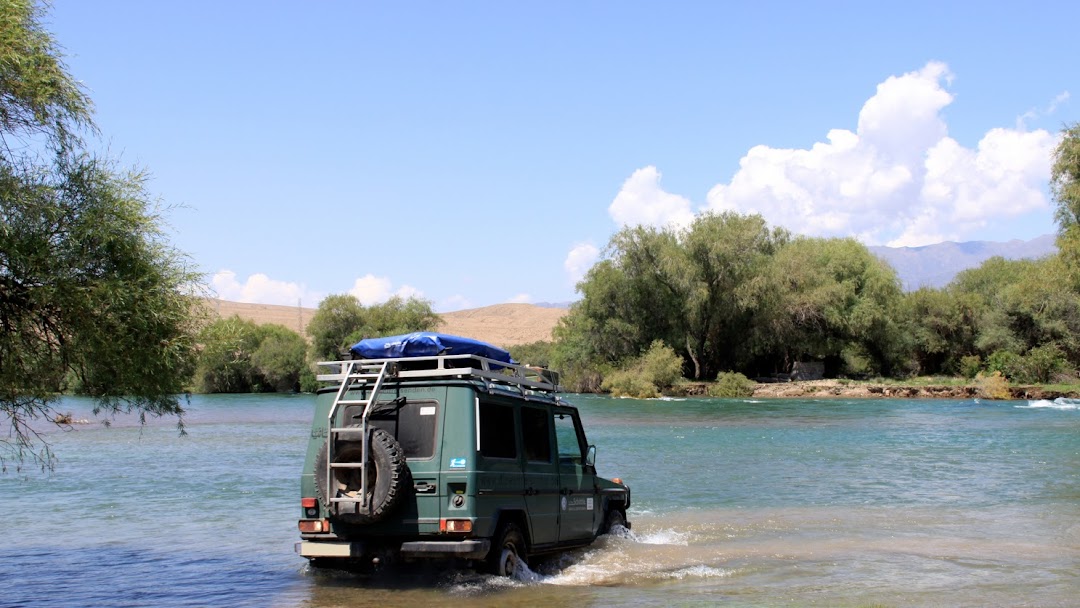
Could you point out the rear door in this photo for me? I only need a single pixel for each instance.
(578, 500)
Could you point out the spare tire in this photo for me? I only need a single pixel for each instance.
(387, 482)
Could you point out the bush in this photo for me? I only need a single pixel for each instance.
(646, 376)
(970, 366)
(1006, 363)
(1042, 363)
(308, 383)
(731, 385)
(660, 365)
(280, 358)
(992, 386)
(533, 353)
(630, 383)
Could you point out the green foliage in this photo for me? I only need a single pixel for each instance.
(660, 365)
(1039, 365)
(92, 297)
(337, 317)
(37, 95)
(280, 358)
(630, 383)
(1006, 363)
(823, 298)
(647, 375)
(308, 383)
(731, 385)
(577, 358)
(394, 317)
(238, 356)
(944, 326)
(730, 293)
(1065, 187)
(225, 364)
(1043, 363)
(970, 365)
(341, 321)
(534, 353)
(693, 289)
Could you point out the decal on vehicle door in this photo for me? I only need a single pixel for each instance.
(457, 463)
(577, 503)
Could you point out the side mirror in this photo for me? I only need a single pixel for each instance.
(590, 456)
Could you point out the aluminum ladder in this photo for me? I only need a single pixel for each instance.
(361, 372)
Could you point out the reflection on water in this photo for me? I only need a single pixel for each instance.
(787, 502)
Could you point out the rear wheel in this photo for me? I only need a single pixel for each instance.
(387, 474)
(508, 554)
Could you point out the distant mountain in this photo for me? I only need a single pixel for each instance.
(937, 265)
(562, 305)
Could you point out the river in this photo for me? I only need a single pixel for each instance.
(736, 502)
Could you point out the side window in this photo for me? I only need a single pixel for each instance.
(566, 433)
(498, 438)
(536, 433)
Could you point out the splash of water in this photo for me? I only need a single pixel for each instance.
(1061, 403)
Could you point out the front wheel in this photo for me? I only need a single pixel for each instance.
(613, 518)
(508, 554)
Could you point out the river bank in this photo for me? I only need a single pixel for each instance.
(859, 389)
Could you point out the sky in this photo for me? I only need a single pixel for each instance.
(476, 153)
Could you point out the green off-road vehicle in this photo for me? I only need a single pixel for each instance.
(434, 446)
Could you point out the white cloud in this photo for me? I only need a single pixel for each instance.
(260, 289)
(642, 201)
(370, 289)
(899, 178)
(580, 259)
(521, 298)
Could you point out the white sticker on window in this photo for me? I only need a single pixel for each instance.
(427, 410)
(589, 504)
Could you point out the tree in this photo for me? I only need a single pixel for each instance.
(944, 327)
(92, 297)
(280, 358)
(692, 289)
(342, 320)
(1065, 187)
(225, 364)
(824, 299)
(337, 317)
(394, 317)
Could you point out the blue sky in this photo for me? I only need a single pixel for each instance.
(474, 153)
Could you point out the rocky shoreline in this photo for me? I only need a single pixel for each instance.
(869, 390)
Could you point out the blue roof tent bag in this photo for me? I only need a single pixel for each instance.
(426, 344)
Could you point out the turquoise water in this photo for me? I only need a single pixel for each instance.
(780, 502)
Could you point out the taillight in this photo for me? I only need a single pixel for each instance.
(307, 502)
(313, 526)
(455, 525)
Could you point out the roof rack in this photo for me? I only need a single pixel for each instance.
(497, 374)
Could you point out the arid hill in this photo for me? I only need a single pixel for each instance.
(501, 324)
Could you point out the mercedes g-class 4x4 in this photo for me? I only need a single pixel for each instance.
(434, 446)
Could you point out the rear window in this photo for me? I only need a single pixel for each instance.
(411, 422)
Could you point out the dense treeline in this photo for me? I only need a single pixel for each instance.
(731, 294)
(729, 298)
